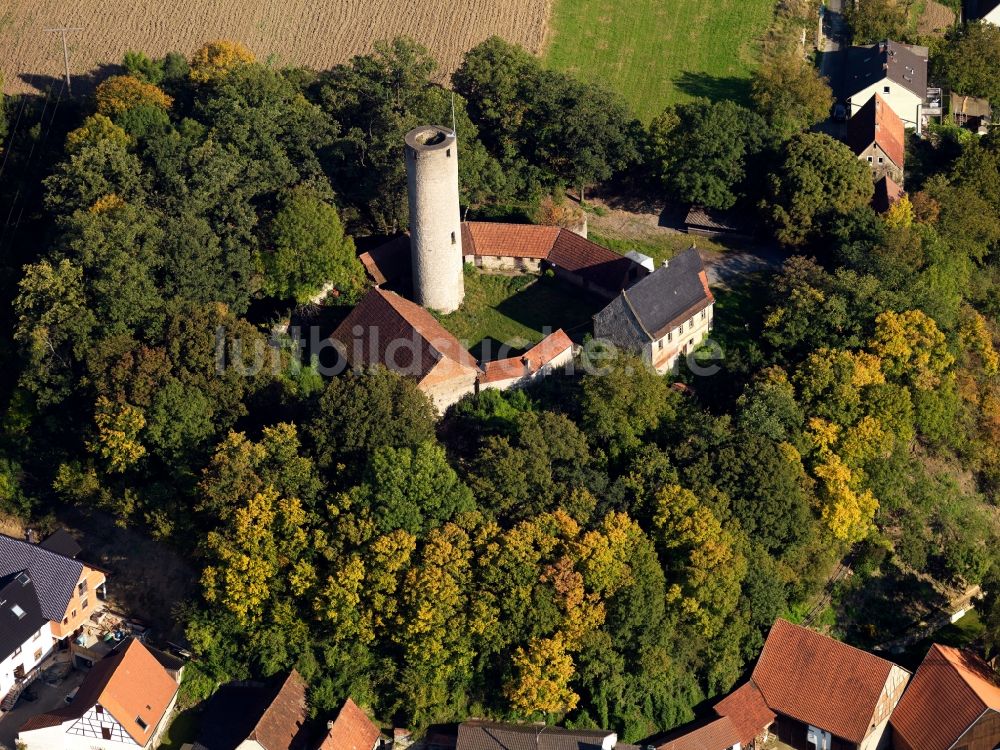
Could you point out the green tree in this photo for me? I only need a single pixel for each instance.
(361, 412)
(877, 20)
(701, 150)
(310, 250)
(790, 93)
(965, 62)
(819, 178)
(413, 489)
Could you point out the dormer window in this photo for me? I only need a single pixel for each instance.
(18, 612)
(141, 723)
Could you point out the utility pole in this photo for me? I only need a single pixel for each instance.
(63, 30)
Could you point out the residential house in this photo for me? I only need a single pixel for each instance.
(352, 730)
(493, 735)
(551, 353)
(876, 136)
(886, 194)
(750, 714)
(663, 316)
(717, 734)
(256, 716)
(25, 635)
(953, 701)
(125, 701)
(825, 694)
(971, 112)
(69, 591)
(987, 11)
(527, 248)
(897, 72)
(388, 330)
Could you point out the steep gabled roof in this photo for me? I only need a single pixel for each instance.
(371, 333)
(747, 709)
(876, 123)
(391, 263)
(54, 576)
(886, 193)
(905, 65)
(351, 730)
(130, 684)
(62, 543)
(950, 690)
(505, 240)
(669, 295)
(719, 734)
(280, 725)
(20, 613)
(820, 681)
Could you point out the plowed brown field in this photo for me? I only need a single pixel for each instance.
(315, 33)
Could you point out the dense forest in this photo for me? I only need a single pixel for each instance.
(597, 550)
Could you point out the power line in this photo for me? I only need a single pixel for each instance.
(63, 30)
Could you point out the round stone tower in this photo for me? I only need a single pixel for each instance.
(435, 221)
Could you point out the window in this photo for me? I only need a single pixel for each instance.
(85, 604)
(106, 733)
(885, 89)
(670, 335)
(38, 655)
(73, 613)
(16, 651)
(452, 238)
(660, 342)
(141, 723)
(448, 153)
(881, 160)
(869, 160)
(65, 621)
(99, 708)
(702, 314)
(81, 587)
(37, 635)
(18, 612)
(691, 342)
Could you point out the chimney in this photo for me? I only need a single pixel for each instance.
(29, 536)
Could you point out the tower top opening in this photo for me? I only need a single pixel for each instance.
(430, 138)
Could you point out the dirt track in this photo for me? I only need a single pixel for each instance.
(317, 34)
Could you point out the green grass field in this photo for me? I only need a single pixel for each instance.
(516, 310)
(658, 52)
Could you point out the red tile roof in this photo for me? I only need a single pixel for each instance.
(746, 708)
(390, 263)
(950, 690)
(129, 684)
(820, 681)
(382, 319)
(877, 123)
(352, 730)
(592, 262)
(531, 361)
(508, 240)
(720, 734)
(886, 193)
(280, 725)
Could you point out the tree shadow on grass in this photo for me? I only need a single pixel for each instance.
(714, 88)
(550, 304)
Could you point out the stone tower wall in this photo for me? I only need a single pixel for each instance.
(435, 219)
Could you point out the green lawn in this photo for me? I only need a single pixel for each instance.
(657, 52)
(660, 247)
(517, 310)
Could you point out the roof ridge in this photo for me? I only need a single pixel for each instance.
(40, 548)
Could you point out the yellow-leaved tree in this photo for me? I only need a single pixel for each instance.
(542, 673)
(118, 428)
(912, 348)
(119, 94)
(213, 60)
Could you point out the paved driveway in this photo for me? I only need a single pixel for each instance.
(49, 697)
